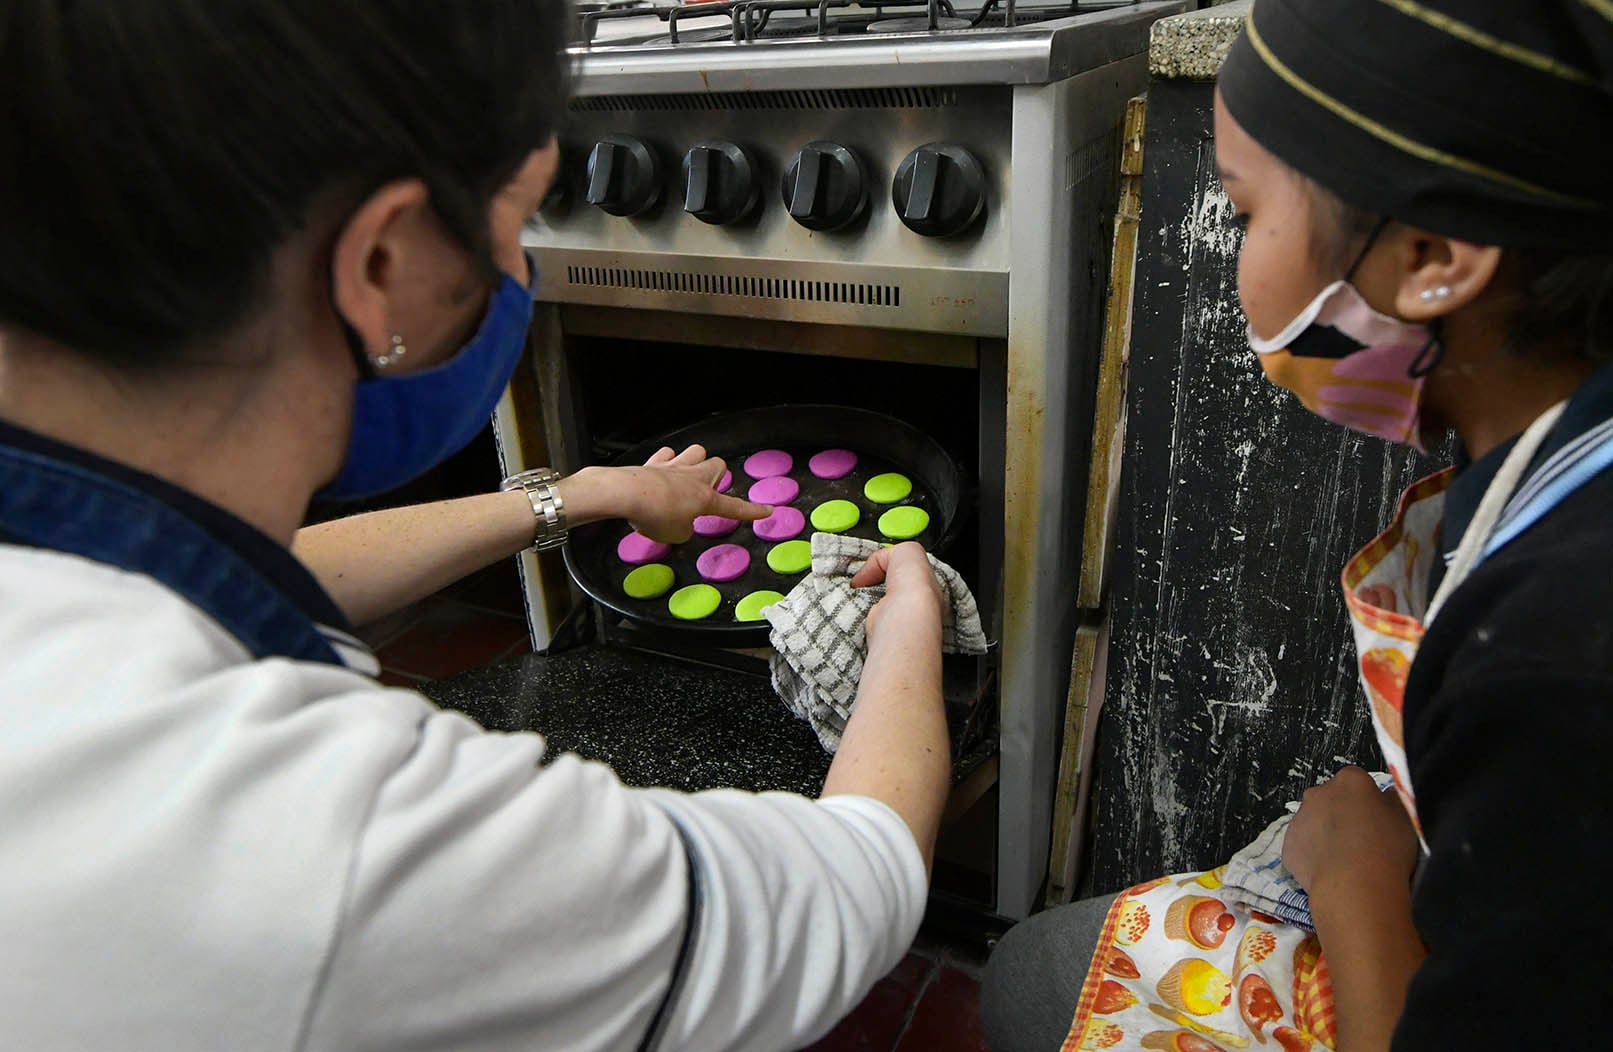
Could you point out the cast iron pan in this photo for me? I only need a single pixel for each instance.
(881, 443)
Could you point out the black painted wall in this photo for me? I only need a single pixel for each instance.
(1231, 684)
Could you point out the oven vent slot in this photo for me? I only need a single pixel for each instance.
(737, 285)
(830, 99)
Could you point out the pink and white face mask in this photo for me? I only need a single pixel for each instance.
(1352, 365)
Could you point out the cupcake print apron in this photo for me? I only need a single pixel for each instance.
(1180, 969)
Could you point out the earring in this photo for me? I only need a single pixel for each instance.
(1430, 295)
(394, 355)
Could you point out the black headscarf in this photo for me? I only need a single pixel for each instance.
(1485, 120)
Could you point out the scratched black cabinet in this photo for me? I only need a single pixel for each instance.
(1231, 685)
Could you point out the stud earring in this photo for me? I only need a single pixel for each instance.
(394, 354)
(1430, 295)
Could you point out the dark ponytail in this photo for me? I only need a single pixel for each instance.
(1567, 302)
(155, 153)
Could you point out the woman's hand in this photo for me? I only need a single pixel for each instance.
(672, 489)
(1353, 849)
(660, 499)
(895, 747)
(1347, 830)
(912, 594)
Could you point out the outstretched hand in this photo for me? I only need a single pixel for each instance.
(672, 489)
(912, 594)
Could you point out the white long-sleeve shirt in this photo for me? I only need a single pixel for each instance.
(202, 850)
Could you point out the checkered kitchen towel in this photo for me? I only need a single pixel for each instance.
(818, 639)
(1256, 878)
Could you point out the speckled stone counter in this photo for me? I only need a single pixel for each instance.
(1191, 46)
(658, 720)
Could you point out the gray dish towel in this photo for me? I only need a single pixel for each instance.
(1256, 878)
(818, 639)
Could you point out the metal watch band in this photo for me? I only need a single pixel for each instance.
(548, 507)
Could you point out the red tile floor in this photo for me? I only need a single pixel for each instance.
(474, 623)
(927, 1004)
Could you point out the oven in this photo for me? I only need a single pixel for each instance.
(904, 208)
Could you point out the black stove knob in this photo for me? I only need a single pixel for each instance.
(719, 183)
(624, 177)
(939, 190)
(824, 187)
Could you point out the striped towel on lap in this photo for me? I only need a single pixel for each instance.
(1256, 878)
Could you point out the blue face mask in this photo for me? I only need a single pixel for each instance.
(403, 426)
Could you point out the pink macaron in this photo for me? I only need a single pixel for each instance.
(724, 562)
(781, 489)
(768, 463)
(715, 525)
(637, 549)
(786, 523)
(832, 463)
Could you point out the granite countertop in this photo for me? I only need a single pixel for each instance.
(663, 721)
(1191, 46)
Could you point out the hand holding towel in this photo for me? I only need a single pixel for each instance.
(1256, 878)
(818, 633)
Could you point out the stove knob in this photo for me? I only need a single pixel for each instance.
(939, 190)
(719, 183)
(824, 187)
(624, 178)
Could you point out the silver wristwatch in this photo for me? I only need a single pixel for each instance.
(548, 509)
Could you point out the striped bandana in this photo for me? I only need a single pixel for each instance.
(1483, 120)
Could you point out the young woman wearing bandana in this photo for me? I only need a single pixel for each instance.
(255, 252)
(1429, 248)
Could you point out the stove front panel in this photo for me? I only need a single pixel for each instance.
(873, 272)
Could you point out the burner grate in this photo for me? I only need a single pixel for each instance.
(748, 20)
(752, 20)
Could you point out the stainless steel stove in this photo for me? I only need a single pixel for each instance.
(824, 183)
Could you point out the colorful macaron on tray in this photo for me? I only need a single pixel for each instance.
(734, 570)
(842, 479)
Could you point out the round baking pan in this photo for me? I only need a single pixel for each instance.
(882, 443)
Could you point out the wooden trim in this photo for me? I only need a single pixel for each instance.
(1110, 402)
(1102, 484)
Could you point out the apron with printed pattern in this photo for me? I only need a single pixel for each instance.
(1178, 969)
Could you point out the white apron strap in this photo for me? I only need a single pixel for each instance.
(1490, 508)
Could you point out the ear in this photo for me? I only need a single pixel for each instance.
(368, 260)
(1443, 275)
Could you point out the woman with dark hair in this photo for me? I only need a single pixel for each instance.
(1429, 248)
(255, 252)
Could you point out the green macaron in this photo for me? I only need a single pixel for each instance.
(694, 602)
(750, 608)
(790, 557)
(888, 488)
(835, 516)
(648, 581)
(905, 523)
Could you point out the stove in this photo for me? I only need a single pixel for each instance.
(907, 204)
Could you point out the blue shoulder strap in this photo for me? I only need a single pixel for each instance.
(51, 504)
(1570, 468)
